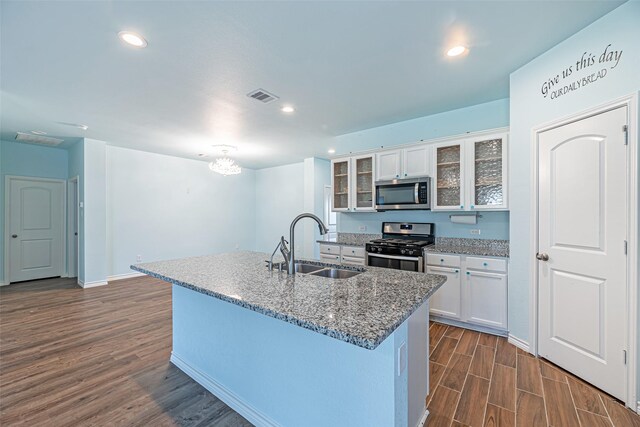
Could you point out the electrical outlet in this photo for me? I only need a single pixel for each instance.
(475, 231)
(138, 258)
(363, 228)
(237, 246)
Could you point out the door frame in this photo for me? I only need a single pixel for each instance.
(71, 183)
(631, 102)
(7, 220)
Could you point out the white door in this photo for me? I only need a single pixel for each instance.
(446, 300)
(582, 230)
(36, 215)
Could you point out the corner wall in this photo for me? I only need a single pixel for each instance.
(529, 109)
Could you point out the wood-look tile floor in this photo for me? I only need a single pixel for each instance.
(96, 357)
(99, 357)
(482, 380)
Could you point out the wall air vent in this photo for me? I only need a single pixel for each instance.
(38, 139)
(262, 96)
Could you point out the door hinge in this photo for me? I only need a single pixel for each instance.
(625, 129)
(625, 247)
(624, 355)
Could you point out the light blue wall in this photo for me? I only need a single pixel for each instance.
(493, 225)
(164, 207)
(95, 212)
(17, 158)
(479, 117)
(529, 109)
(279, 199)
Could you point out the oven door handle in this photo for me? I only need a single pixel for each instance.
(406, 258)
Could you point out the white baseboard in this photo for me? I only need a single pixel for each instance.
(125, 276)
(521, 344)
(638, 407)
(4, 283)
(91, 284)
(252, 415)
(465, 325)
(423, 419)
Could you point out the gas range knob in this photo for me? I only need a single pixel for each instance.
(402, 251)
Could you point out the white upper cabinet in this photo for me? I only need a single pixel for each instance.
(488, 172)
(404, 163)
(416, 162)
(352, 184)
(388, 165)
(341, 184)
(362, 183)
(448, 182)
(471, 174)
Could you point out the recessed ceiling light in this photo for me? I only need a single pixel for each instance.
(457, 50)
(331, 151)
(287, 109)
(133, 39)
(38, 132)
(202, 155)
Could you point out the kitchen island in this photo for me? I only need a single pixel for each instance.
(302, 350)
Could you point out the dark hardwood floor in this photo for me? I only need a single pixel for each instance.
(100, 357)
(96, 357)
(482, 380)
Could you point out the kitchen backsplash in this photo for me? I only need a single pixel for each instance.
(492, 225)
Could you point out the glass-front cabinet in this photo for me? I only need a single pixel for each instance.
(363, 199)
(487, 189)
(471, 174)
(352, 181)
(449, 177)
(341, 184)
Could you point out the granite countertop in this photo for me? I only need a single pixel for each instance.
(350, 239)
(461, 246)
(362, 310)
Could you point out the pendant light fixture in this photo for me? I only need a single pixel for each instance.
(225, 165)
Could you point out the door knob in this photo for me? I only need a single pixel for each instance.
(542, 257)
(14, 236)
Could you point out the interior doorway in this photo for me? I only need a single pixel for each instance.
(35, 224)
(330, 217)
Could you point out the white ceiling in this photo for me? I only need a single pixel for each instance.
(345, 66)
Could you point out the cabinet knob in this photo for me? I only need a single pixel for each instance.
(471, 206)
(441, 260)
(405, 174)
(457, 271)
(461, 206)
(485, 264)
(468, 273)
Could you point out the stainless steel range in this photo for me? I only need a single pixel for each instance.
(401, 245)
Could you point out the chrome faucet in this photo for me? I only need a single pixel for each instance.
(321, 226)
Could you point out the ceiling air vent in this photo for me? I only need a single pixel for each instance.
(262, 96)
(38, 139)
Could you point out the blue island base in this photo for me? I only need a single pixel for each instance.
(275, 373)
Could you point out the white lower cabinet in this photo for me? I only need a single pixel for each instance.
(487, 299)
(475, 291)
(341, 254)
(447, 300)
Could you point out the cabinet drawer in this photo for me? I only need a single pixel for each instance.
(335, 259)
(443, 260)
(487, 264)
(329, 249)
(348, 260)
(353, 251)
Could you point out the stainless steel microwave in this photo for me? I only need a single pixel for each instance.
(401, 194)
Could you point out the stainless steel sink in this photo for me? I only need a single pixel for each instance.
(336, 273)
(307, 268)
